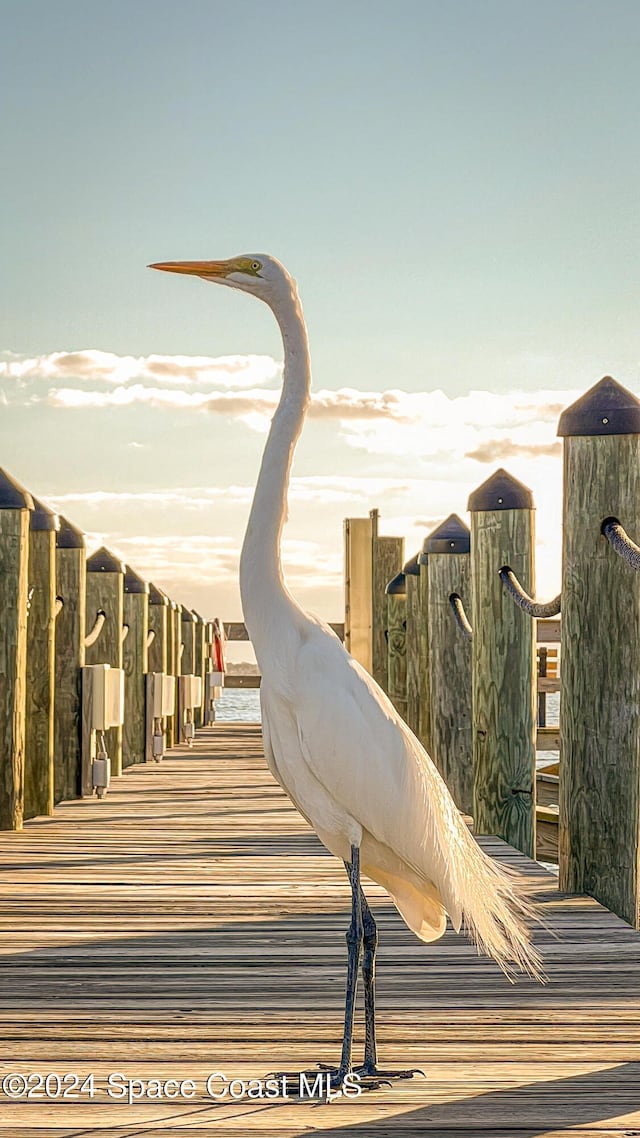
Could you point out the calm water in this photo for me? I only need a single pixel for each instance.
(243, 706)
(239, 706)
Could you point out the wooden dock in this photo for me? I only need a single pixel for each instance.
(191, 923)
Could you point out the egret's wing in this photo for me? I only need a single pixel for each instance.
(358, 747)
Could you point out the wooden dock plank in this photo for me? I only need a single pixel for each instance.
(192, 923)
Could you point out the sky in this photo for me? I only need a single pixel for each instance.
(455, 188)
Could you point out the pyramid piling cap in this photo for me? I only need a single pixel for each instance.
(68, 536)
(187, 616)
(397, 586)
(156, 596)
(43, 518)
(102, 561)
(133, 583)
(451, 536)
(13, 496)
(606, 409)
(501, 492)
(411, 568)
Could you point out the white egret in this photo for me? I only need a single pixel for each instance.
(332, 738)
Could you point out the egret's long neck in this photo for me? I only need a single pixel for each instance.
(261, 583)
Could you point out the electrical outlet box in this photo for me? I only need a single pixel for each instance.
(190, 691)
(103, 696)
(163, 693)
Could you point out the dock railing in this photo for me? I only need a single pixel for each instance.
(480, 656)
(99, 669)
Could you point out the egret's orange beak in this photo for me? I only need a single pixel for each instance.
(195, 268)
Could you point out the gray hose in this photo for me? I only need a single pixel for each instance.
(460, 616)
(523, 600)
(621, 542)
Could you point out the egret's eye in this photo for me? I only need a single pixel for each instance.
(256, 266)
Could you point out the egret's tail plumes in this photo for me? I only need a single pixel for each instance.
(496, 914)
(484, 899)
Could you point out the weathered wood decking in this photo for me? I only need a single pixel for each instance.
(191, 923)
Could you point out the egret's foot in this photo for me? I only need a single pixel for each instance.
(368, 1071)
(316, 1083)
(371, 1077)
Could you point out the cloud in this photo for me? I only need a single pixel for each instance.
(254, 406)
(348, 403)
(493, 450)
(187, 498)
(92, 364)
(316, 489)
(428, 427)
(177, 562)
(243, 407)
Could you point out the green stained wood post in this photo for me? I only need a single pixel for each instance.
(16, 505)
(599, 807)
(387, 555)
(449, 570)
(199, 664)
(188, 654)
(178, 670)
(39, 743)
(105, 592)
(171, 667)
(504, 663)
(396, 594)
(411, 572)
(189, 642)
(135, 662)
(210, 666)
(70, 657)
(159, 626)
(424, 692)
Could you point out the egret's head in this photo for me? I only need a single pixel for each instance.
(257, 273)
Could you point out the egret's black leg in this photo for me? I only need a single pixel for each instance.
(354, 946)
(369, 1072)
(369, 945)
(362, 934)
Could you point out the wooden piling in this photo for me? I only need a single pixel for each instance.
(387, 557)
(411, 570)
(189, 642)
(39, 745)
(599, 816)
(358, 569)
(70, 658)
(158, 624)
(135, 662)
(396, 594)
(504, 663)
(188, 658)
(105, 592)
(178, 669)
(200, 663)
(424, 691)
(16, 505)
(171, 665)
(449, 570)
